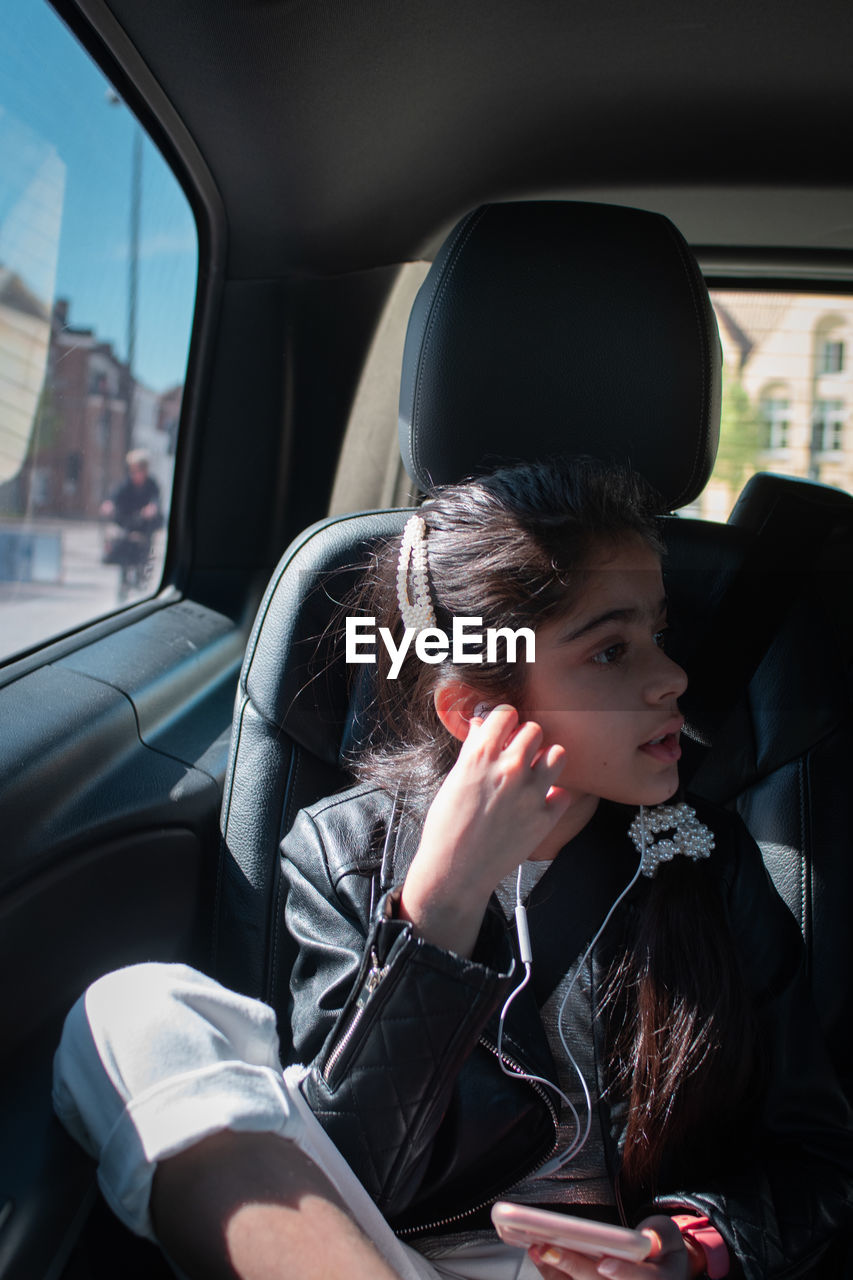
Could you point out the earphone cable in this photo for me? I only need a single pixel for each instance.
(579, 1141)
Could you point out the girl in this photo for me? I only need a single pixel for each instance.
(652, 1071)
(642, 1051)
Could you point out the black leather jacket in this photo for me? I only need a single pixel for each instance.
(401, 1037)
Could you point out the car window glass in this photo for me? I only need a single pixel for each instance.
(98, 266)
(787, 391)
(370, 471)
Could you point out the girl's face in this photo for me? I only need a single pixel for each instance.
(603, 687)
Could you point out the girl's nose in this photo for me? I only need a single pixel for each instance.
(668, 681)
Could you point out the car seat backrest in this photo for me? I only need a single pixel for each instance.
(781, 739)
(294, 719)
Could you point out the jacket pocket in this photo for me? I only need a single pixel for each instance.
(361, 1012)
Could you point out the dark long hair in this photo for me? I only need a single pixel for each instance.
(513, 549)
(681, 1036)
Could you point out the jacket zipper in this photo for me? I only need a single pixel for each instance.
(374, 976)
(517, 1068)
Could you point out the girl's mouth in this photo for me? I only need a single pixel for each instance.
(667, 748)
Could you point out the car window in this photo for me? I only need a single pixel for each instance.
(787, 391)
(98, 267)
(370, 470)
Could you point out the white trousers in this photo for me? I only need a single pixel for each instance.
(155, 1057)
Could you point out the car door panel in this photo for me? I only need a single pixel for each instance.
(113, 759)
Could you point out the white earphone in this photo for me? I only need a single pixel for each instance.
(526, 955)
(525, 952)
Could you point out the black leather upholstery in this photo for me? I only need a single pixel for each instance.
(783, 750)
(292, 724)
(548, 328)
(542, 329)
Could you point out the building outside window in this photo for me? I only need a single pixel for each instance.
(830, 356)
(787, 388)
(828, 426)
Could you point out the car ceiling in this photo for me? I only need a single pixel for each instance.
(342, 136)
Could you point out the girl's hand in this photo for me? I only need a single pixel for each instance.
(493, 810)
(674, 1262)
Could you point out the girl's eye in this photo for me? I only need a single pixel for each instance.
(612, 654)
(662, 637)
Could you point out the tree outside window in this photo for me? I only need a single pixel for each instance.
(741, 437)
(776, 419)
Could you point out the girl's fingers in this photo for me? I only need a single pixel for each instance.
(519, 745)
(557, 801)
(555, 1263)
(496, 729)
(506, 732)
(554, 758)
(525, 743)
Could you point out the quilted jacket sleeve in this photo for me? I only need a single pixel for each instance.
(787, 1195)
(385, 1019)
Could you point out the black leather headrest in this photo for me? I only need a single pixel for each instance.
(549, 328)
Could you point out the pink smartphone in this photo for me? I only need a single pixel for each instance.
(523, 1225)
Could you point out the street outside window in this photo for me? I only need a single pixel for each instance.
(98, 268)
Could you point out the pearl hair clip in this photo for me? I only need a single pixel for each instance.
(690, 836)
(417, 613)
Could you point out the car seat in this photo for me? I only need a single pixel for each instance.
(549, 328)
(778, 742)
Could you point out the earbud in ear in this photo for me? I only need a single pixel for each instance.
(482, 709)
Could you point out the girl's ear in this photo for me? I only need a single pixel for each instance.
(455, 704)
